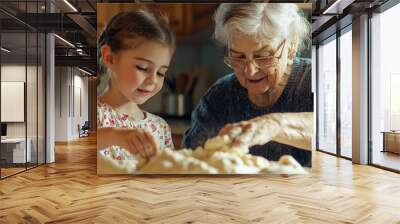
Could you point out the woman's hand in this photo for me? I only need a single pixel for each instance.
(137, 141)
(293, 129)
(257, 131)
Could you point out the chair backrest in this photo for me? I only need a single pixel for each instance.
(86, 125)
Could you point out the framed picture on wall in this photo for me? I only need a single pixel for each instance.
(12, 101)
(242, 124)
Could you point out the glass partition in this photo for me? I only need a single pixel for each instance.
(22, 89)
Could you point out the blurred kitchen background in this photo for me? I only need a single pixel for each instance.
(196, 64)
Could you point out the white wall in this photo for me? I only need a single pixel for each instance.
(68, 83)
(80, 83)
(61, 103)
(13, 72)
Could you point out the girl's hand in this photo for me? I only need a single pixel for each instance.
(257, 131)
(137, 141)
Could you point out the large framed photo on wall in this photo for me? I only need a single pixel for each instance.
(204, 88)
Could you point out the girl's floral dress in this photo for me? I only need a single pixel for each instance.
(127, 162)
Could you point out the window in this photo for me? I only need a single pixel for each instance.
(346, 93)
(327, 96)
(385, 88)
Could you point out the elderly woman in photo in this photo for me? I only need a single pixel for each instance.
(267, 103)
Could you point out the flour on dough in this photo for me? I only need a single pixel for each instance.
(217, 157)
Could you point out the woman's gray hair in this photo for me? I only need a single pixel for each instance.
(264, 21)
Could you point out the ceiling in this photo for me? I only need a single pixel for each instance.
(76, 22)
(72, 20)
(328, 16)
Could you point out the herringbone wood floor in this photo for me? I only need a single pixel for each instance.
(69, 191)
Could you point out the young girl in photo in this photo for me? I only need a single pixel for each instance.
(135, 50)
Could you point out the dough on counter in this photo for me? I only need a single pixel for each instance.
(217, 157)
(176, 162)
(116, 160)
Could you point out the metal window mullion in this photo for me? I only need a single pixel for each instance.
(45, 88)
(60, 91)
(69, 93)
(45, 95)
(0, 97)
(37, 90)
(73, 92)
(338, 97)
(369, 100)
(316, 96)
(26, 87)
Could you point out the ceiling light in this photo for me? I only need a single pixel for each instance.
(70, 5)
(84, 71)
(65, 41)
(5, 50)
(337, 7)
(326, 11)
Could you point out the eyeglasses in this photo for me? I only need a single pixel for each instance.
(259, 63)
